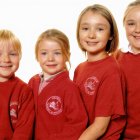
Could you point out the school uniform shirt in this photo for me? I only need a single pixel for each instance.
(101, 86)
(60, 113)
(130, 64)
(16, 110)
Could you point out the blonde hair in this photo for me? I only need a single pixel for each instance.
(59, 37)
(130, 7)
(7, 37)
(112, 45)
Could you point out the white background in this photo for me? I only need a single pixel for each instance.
(27, 19)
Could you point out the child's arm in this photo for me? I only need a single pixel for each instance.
(96, 130)
(24, 126)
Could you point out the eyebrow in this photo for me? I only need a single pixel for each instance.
(98, 24)
(52, 50)
(130, 20)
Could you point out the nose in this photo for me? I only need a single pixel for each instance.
(137, 29)
(91, 34)
(50, 57)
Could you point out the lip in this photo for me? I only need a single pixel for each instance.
(51, 65)
(91, 43)
(9, 66)
(137, 37)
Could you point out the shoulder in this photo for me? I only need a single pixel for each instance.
(80, 67)
(34, 79)
(81, 64)
(20, 82)
(69, 85)
(112, 67)
(120, 53)
(22, 88)
(65, 79)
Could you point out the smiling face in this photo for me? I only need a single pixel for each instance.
(94, 33)
(132, 27)
(50, 57)
(9, 60)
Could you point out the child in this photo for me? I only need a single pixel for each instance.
(60, 114)
(130, 63)
(16, 98)
(99, 78)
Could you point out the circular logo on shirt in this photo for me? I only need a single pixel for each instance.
(90, 85)
(54, 105)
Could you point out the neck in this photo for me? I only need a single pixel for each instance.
(96, 57)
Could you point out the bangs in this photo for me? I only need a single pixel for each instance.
(11, 42)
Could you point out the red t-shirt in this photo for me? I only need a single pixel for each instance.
(16, 110)
(130, 64)
(101, 87)
(60, 113)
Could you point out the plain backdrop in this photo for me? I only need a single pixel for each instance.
(27, 19)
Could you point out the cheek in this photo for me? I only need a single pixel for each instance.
(16, 63)
(16, 60)
(62, 61)
(128, 30)
(82, 35)
(81, 40)
(41, 58)
(105, 38)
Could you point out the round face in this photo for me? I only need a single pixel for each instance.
(132, 27)
(50, 57)
(94, 33)
(9, 61)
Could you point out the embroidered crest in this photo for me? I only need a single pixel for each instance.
(54, 105)
(13, 111)
(90, 85)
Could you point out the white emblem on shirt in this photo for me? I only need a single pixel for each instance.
(90, 85)
(54, 105)
(13, 111)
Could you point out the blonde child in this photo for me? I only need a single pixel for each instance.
(60, 114)
(130, 63)
(16, 99)
(99, 78)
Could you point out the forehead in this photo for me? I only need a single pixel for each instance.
(93, 18)
(49, 44)
(4, 43)
(8, 45)
(133, 11)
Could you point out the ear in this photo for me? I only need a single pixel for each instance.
(111, 37)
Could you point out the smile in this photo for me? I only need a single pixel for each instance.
(92, 43)
(6, 66)
(137, 37)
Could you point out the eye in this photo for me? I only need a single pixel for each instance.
(43, 53)
(84, 28)
(57, 53)
(13, 53)
(100, 29)
(130, 24)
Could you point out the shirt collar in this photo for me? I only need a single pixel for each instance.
(128, 49)
(48, 78)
